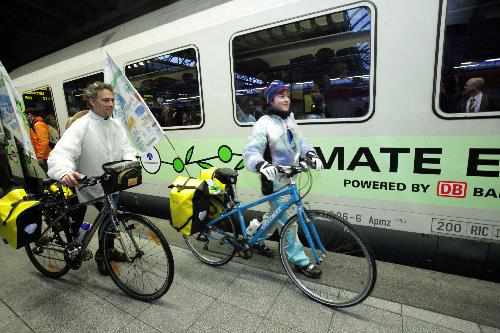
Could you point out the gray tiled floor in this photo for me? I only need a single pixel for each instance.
(233, 298)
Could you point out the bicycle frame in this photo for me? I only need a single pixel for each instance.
(309, 229)
(109, 210)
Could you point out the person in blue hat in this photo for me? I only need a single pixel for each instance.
(276, 140)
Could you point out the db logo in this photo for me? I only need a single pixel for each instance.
(452, 189)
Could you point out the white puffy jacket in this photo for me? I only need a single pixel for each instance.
(271, 131)
(89, 143)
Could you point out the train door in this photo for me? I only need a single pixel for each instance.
(39, 107)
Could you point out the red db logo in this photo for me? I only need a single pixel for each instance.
(452, 189)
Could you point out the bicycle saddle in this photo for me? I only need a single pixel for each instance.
(226, 175)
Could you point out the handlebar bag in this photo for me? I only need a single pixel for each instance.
(121, 175)
(16, 214)
(189, 202)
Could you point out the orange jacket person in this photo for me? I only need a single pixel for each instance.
(39, 134)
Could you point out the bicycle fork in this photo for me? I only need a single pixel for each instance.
(312, 236)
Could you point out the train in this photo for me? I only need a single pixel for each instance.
(377, 87)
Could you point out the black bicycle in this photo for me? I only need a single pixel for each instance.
(148, 270)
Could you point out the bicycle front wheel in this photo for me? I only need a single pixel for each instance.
(47, 253)
(146, 269)
(348, 269)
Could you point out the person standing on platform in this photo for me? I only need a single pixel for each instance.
(39, 134)
(276, 139)
(91, 141)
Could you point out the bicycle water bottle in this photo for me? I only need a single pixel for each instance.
(30, 228)
(84, 228)
(253, 226)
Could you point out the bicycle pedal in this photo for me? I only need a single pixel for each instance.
(245, 254)
(86, 255)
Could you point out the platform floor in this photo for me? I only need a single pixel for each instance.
(243, 296)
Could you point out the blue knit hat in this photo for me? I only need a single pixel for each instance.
(273, 89)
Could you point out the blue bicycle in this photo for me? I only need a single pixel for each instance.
(347, 263)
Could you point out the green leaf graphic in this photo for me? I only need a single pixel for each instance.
(240, 165)
(204, 165)
(189, 154)
(178, 165)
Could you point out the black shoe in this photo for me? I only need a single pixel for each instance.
(263, 250)
(101, 267)
(310, 271)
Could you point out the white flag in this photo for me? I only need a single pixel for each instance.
(130, 109)
(12, 112)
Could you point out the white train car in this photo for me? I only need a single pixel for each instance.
(377, 87)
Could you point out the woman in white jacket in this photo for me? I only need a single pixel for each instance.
(91, 141)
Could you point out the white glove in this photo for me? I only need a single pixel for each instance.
(314, 161)
(269, 171)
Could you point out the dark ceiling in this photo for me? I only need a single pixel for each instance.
(33, 29)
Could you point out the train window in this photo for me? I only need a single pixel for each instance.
(468, 83)
(40, 107)
(326, 60)
(74, 92)
(169, 84)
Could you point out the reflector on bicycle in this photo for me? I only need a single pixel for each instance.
(188, 204)
(16, 215)
(121, 175)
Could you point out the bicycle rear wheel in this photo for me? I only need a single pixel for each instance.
(149, 270)
(47, 253)
(213, 245)
(348, 266)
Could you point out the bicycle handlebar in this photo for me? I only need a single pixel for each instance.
(292, 170)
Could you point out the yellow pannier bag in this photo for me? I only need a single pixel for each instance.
(20, 219)
(188, 204)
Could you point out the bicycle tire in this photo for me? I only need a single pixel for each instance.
(47, 253)
(222, 249)
(143, 250)
(349, 271)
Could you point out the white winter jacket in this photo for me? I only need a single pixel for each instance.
(84, 147)
(270, 133)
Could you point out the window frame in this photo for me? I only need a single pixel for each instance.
(74, 79)
(329, 11)
(59, 130)
(438, 67)
(200, 85)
